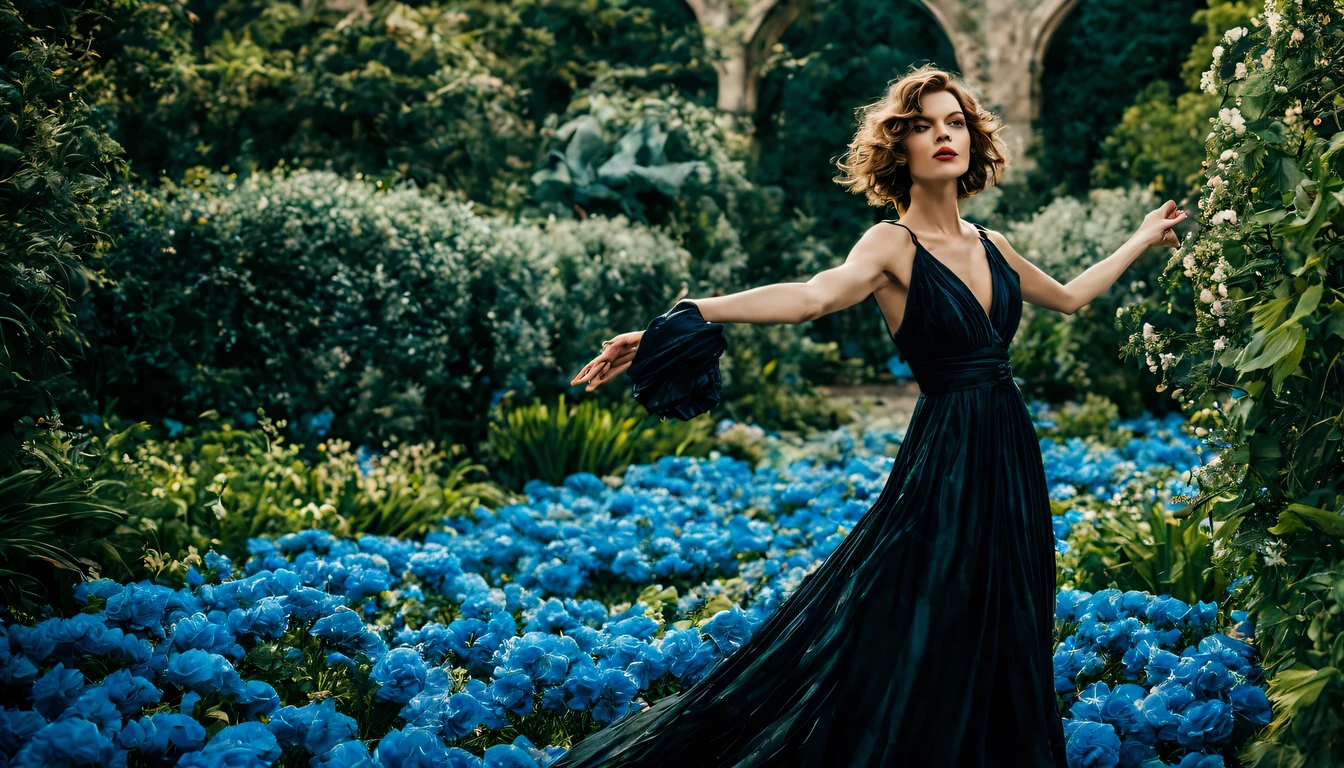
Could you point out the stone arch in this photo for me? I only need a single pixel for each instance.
(999, 45)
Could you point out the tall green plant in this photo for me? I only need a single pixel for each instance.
(587, 170)
(1262, 365)
(57, 165)
(550, 443)
(56, 169)
(1152, 552)
(58, 529)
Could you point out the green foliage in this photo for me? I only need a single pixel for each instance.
(764, 380)
(547, 443)
(687, 162)
(56, 169)
(1139, 545)
(217, 486)
(1096, 61)
(1091, 418)
(1261, 364)
(51, 534)
(400, 314)
(1065, 357)
(1159, 141)
(589, 170)
(400, 92)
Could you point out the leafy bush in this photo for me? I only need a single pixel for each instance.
(57, 172)
(398, 91)
(701, 162)
(351, 311)
(1260, 366)
(57, 169)
(52, 533)
(1094, 417)
(1159, 141)
(586, 170)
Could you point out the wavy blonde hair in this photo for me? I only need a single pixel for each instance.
(877, 163)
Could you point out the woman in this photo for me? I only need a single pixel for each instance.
(925, 638)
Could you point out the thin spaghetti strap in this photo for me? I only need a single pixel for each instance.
(907, 229)
(984, 233)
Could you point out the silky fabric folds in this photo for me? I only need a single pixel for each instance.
(924, 640)
(676, 366)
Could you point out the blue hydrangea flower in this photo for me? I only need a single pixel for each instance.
(400, 675)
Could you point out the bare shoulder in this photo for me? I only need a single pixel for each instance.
(1001, 242)
(888, 242)
(886, 249)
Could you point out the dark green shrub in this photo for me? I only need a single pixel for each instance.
(57, 172)
(353, 310)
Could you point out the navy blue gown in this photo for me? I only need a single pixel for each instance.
(925, 639)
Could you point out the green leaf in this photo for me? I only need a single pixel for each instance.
(1277, 344)
(1336, 142)
(1302, 517)
(1288, 363)
(1294, 689)
(1283, 172)
(1335, 324)
(1307, 304)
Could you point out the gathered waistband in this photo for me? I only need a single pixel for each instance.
(983, 367)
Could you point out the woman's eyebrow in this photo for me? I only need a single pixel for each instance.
(949, 114)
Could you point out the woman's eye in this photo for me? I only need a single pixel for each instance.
(920, 128)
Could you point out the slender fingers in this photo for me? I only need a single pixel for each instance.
(613, 354)
(616, 368)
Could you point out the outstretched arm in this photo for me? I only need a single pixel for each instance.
(864, 271)
(1045, 291)
(828, 291)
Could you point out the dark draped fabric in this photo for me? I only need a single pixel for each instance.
(676, 366)
(924, 639)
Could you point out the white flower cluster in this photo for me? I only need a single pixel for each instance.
(1232, 118)
(1272, 18)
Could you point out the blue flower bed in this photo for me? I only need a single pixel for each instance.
(491, 643)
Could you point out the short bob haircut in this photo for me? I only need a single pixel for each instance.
(876, 163)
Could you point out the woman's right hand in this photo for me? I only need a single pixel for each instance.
(617, 354)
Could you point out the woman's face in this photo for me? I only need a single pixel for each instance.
(940, 126)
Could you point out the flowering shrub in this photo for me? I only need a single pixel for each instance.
(498, 640)
(1260, 370)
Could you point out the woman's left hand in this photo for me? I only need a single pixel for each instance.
(617, 354)
(1156, 229)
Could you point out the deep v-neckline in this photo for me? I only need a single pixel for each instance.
(988, 314)
(989, 262)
